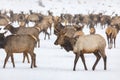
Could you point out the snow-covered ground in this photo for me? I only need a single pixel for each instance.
(52, 61)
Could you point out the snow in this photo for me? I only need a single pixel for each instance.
(52, 61)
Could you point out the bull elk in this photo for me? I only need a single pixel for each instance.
(84, 44)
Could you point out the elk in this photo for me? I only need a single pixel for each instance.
(111, 33)
(84, 44)
(92, 28)
(3, 21)
(57, 25)
(24, 30)
(18, 44)
(44, 24)
(90, 44)
(2, 38)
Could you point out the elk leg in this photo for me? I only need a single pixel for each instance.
(114, 43)
(6, 59)
(25, 55)
(45, 36)
(23, 58)
(105, 60)
(107, 38)
(12, 59)
(38, 42)
(35, 60)
(97, 60)
(48, 34)
(75, 60)
(31, 60)
(83, 60)
(50, 30)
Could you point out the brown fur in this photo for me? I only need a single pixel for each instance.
(45, 24)
(57, 25)
(111, 33)
(86, 20)
(3, 22)
(78, 33)
(18, 44)
(25, 30)
(90, 44)
(22, 24)
(115, 20)
(33, 18)
(92, 30)
(93, 44)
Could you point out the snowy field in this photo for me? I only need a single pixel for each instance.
(53, 62)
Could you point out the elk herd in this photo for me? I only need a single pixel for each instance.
(68, 29)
